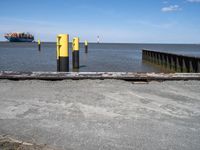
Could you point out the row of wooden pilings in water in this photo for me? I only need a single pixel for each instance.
(172, 62)
(63, 52)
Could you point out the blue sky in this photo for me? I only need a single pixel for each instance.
(124, 21)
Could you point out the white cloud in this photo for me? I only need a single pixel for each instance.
(171, 8)
(194, 1)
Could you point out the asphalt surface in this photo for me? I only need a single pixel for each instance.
(102, 114)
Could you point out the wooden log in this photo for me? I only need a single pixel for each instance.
(129, 76)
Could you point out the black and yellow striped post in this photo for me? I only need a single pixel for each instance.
(75, 53)
(39, 45)
(63, 53)
(86, 46)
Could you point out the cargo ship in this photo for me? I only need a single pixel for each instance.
(19, 37)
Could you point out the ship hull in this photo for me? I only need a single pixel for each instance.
(12, 39)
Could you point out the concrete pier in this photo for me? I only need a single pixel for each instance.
(104, 114)
(172, 62)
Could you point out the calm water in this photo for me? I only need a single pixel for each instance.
(101, 57)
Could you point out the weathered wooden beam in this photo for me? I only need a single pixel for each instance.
(129, 76)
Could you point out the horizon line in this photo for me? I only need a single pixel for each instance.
(82, 42)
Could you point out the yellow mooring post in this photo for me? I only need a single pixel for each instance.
(63, 53)
(86, 46)
(75, 53)
(58, 53)
(39, 45)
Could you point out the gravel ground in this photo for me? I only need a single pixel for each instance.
(102, 114)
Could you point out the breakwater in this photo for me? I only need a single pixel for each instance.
(172, 62)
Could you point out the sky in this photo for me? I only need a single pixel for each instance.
(115, 21)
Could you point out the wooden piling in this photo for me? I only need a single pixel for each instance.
(173, 62)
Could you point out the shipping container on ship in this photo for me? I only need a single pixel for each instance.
(19, 37)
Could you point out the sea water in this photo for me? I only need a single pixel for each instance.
(100, 57)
